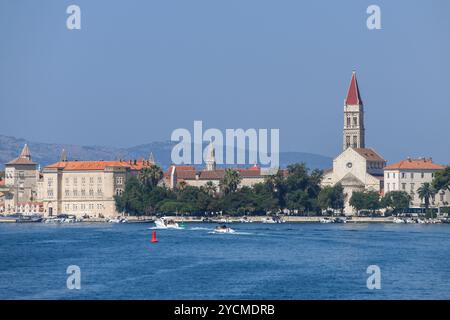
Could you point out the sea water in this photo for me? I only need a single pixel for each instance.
(259, 261)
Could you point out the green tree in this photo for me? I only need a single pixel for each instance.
(131, 200)
(425, 192)
(441, 180)
(230, 182)
(276, 184)
(150, 176)
(369, 200)
(331, 197)
(397, 200)
(210, 188)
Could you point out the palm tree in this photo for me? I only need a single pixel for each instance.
(425, 192)
(150, 176)
(210, 188)
(230, 181)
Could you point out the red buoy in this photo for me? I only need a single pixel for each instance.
(154, 237)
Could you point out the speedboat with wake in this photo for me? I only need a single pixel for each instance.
(166, 223)
(223, 229)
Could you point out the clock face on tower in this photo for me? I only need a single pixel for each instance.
(349, 165)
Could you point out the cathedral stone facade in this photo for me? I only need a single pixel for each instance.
(357, 168)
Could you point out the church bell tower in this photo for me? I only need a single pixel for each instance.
(353, 134)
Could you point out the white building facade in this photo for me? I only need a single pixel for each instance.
(86, 188)
(409, 175)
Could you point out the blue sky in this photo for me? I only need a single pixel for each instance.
(137, 70)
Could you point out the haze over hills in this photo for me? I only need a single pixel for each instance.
(46, 153)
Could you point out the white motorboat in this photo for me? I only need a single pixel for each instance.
(244, 220)
(326, 220)
(275, 219)
(118, 220)
(409, 220)
(340, 220)
(421, 221)
(166, 223)
(223, 229)
(398, 220)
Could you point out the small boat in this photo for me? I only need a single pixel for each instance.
(274, 219)
(62, 218)
(421, 221)
(409, 221)
(326, 220)
(223, 229)
(244, 220)
(340, 220)
(29, 219)
(166, 223)
(118, 220)
(398, 220)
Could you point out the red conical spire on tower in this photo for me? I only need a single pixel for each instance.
(353, 96)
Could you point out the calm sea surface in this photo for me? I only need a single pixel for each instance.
(284, 261)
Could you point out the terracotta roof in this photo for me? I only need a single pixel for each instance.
(415, 164)
(369, 154)
(99, 165)
(353, 96)
(189, 173)
(21, 161)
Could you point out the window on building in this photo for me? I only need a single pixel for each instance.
(347, 141)
(388, 175)
(75, 181)
(50, 193)
(99, 191)
(67, 192)
(422, 175)
(119, 180)
(348, 121)
(75, 207)
(393, 175)
(403, 186)
(412, 187)
(67, 181)
(412, 175)
(403, 175)
(75, 192)
(99, 180)
(91, 192)
(393, 186)
(355, 141)
(91, 180)
(355, 121)
(388, 187)
(83, 192)
(83, 180)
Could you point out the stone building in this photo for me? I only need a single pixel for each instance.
(86, 188)
(19, 186)
(409, 175)
(177, 174)
(357, 168)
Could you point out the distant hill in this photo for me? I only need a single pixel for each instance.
(46, 153)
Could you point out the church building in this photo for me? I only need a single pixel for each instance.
(357, 168)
